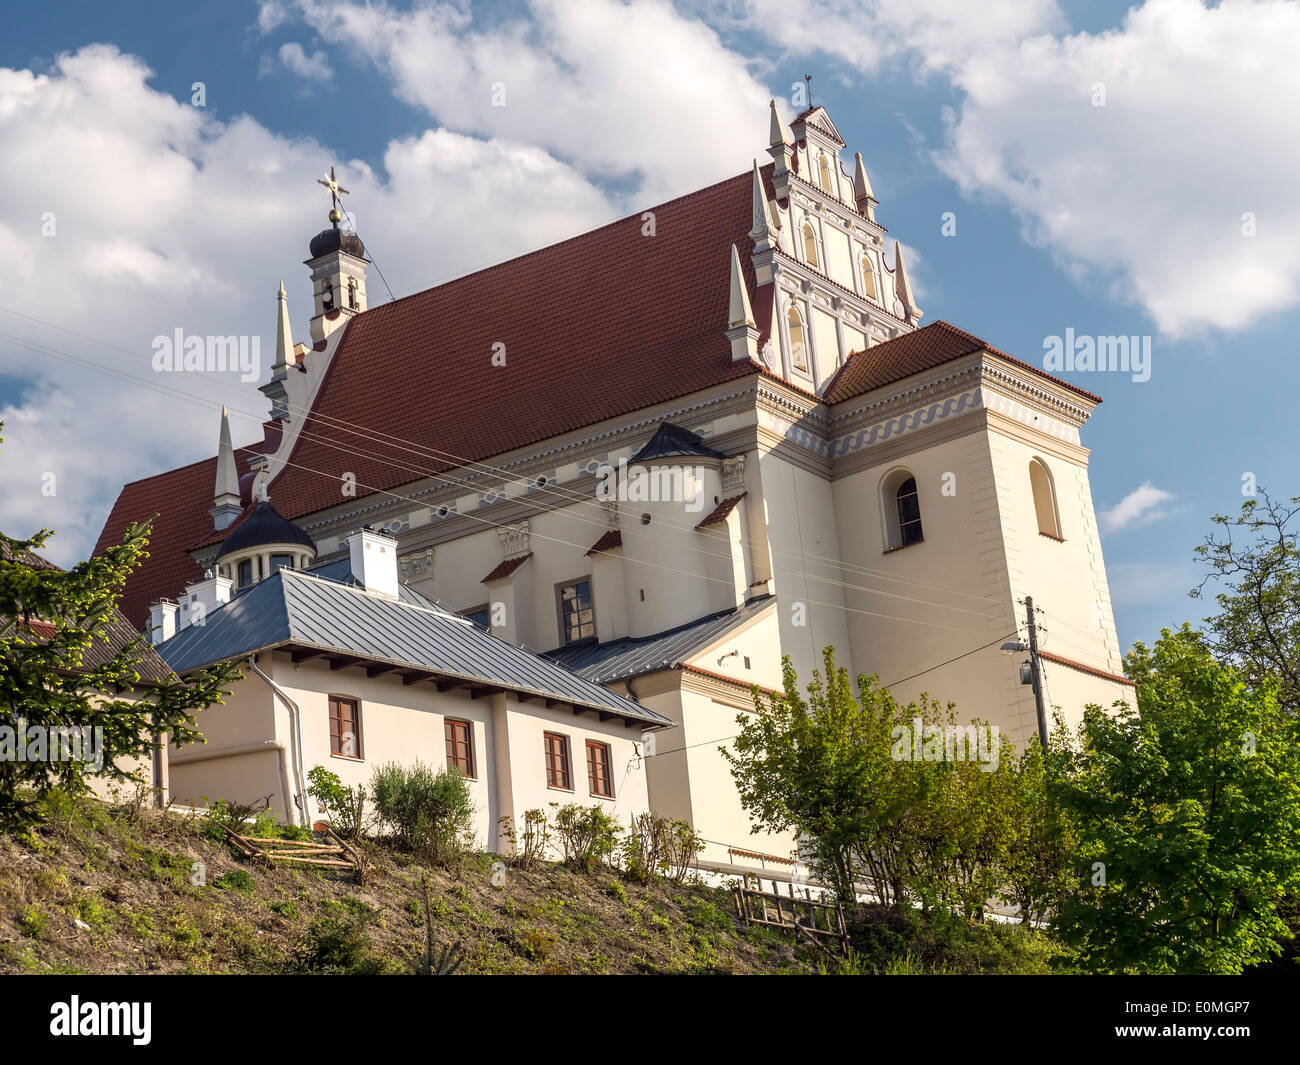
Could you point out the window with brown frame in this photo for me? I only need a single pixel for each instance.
(345, 727)
(557, 762)
(460, 746)
(598, 769)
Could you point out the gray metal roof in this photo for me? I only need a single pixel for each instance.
(294, 609)
(631, 657)
(341, 570)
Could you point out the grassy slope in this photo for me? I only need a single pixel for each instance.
(127, 878)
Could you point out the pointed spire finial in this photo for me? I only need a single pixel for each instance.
(779, 132)
(741, 330)
(764, 227)
(739, 311)
(283, 336)
(861, 183)
(225, 489)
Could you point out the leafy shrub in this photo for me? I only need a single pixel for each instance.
(235, 880)
(658, 844)
(643, 846)
(337, 946)
(588, 835)
(223, 813)
(34, 921)
(430, 814)
(529, 846)
(284, 908)
(345, 807)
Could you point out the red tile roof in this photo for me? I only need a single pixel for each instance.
(181, 498)
(507, 567)
(922, 349)
(604, 324)
(610, 540)
(598, 326)
(1084, 668)
(720, 512)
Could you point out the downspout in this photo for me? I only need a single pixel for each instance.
(295, 728)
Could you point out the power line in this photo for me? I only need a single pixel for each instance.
(556, 491)
(57, 353)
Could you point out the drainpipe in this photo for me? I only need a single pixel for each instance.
(295, 729)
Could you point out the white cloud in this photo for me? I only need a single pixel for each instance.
(314, 67)
(164, 219)
(932, 34)
(626, 90)
(1141, 506)
(1145, 195)
(270, 15)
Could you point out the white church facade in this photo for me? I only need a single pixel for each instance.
(661, 456)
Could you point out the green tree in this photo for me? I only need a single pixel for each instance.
(1255, 558)
(1040, 837)
(821, 767)
(64, 664)
(961, 826)
(1187, 813)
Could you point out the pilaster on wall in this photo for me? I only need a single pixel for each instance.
(1103, 616)
(505, 796)
(1005, 564)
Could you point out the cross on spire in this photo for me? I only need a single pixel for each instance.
(336, 190)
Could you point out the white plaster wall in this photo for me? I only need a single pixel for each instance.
(805, 544)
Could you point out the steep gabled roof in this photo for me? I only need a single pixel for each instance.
(295, 610)
(921, 349)
(604, 324)
(596, 326)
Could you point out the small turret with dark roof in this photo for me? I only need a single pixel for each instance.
(262, 528)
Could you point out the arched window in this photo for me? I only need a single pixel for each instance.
(809, 245)
(901, 506)
(798, 351)
(1049, 515)
(868, 279)
(824, 168)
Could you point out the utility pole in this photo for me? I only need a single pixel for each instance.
(1037, 671)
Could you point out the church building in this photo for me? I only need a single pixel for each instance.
(656, 457)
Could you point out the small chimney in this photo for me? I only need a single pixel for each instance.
(374, 561)
(162, 621)
(203, 597)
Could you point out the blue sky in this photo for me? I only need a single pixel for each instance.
(1125, 219)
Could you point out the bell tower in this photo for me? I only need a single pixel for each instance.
(338, 270)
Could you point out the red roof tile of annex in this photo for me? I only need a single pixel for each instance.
(597, 326)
